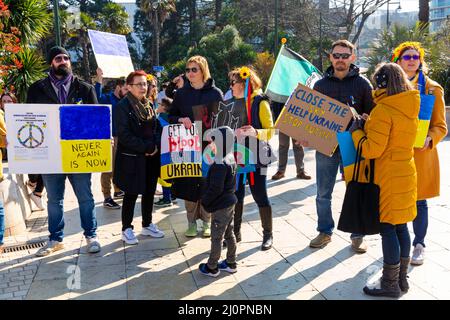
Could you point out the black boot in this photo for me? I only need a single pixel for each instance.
(389, 283)
(403, 277)
(266, 220)
(238, 209)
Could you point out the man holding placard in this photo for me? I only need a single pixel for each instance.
(62, 87)
(342, 82)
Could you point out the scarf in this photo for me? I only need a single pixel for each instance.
(60, 85)
(141, 108)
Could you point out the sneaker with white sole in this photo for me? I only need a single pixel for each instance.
(153, 231)
(418, 255)
(203, 268)
(163, 203)
(93, 245)
(51, 247)
(37, 200)
(227, 267)
(111, 204)
(129, 237)
(119, 194)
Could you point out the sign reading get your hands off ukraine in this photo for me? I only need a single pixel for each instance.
(314, 119)
(51, 138)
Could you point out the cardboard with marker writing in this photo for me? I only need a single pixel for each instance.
(314, 119)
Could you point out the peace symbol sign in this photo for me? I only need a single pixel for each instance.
(30, 136)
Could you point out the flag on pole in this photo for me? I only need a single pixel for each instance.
(290, 69)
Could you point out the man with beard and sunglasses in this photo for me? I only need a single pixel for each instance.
(342, 82)
(62, 87)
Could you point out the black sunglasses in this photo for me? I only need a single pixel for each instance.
(341, 55)
(194, 70)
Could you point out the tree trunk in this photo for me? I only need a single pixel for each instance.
(218, 10)
(424, 11)
(157, 32)
(84, 47)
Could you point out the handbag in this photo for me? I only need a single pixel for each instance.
(361, 208)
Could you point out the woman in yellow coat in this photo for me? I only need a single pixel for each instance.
(410, 56)
(391, 130)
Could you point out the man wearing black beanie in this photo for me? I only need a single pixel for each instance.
(62, 87)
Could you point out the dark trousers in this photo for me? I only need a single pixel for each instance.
(222, 228)
(37, 178)
(395, 241)
(259, 189)
(420, 223)
(129, 200)
(283, 151)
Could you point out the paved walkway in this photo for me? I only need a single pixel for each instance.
(167, 268)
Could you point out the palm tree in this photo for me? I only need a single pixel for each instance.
(157, 12)
(424, 13)
(114, 19)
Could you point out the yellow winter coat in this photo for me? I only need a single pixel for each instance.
(391, 131)
(427, 161)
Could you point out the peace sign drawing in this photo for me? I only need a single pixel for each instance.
(30, 136)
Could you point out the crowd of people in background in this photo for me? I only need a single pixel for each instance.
(386, 124)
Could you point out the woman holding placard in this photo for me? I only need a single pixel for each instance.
(255, 124)
(411, 57)
(137, 164)
(200, 90)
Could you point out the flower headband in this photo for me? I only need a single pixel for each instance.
(408, 44)
(244, 73)
(150, 77)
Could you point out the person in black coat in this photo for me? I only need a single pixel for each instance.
(199, 90)
(137, 165)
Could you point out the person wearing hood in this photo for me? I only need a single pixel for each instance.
(254, 128)
(342, 82)
(199, 90)
(411, 58)
(391, 131)
(219, 199)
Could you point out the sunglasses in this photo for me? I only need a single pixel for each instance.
(408, 57)
(341, 55)
(194, 70)
(61, 58)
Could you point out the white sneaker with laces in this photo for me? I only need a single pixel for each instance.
(129, 237)
(418, 255)
(153, 231)
(93, 245)
(37, 201)
(51, 247)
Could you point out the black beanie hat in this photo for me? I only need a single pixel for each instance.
(54, 52)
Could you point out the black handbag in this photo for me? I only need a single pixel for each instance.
(361, 208)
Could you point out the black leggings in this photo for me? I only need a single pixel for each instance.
(129, 200)
(37, 178)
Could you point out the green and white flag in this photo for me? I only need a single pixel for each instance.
(290, 69)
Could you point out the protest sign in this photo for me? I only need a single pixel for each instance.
(314, 119)
(181, 152)
(111, 53)
(51, 138)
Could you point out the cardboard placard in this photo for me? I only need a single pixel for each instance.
(314, 119)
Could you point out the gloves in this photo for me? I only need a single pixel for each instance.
(357, 123)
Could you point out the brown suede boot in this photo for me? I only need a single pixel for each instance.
(403, 277)
(238, 209)
(266, 220)
(389, 283)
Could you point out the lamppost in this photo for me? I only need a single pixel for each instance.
(56, 25)
(155, 6)
(276, 29)
(387, 11)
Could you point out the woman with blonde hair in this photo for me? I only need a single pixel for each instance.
(254, 128)
(389, 135)
(199, 90)
(410, 56)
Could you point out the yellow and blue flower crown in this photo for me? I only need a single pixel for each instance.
(411, 44)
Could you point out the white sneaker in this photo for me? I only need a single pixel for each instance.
(51, 247)
(129, 237)
(152, 231)
(93, 245)
(418, 255)
(37, 201)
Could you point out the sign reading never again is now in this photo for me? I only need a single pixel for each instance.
(181, 152)
(314, 119)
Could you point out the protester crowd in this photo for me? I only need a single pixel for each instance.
(384, 129)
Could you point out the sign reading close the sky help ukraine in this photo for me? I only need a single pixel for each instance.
(111, 53)
(52, 138)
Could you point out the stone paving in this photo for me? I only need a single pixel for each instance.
(167, 268)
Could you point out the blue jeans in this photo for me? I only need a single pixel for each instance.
(167, 195)
(420, 223)
(259, 189)
(2, 221)
(326, 171)
(395, 242)
(81, 184)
